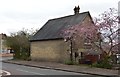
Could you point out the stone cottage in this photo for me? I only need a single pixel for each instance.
(48, 45)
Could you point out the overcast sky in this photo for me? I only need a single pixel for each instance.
(18, 14)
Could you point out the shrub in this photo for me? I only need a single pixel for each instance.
(22, 55)
(103, 64)
(69, 62)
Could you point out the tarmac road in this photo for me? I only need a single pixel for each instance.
(14, 69)
(26, 70)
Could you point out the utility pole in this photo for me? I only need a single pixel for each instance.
(119, 33)
(1, 51)
(1, 45)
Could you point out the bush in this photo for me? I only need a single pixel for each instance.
(69, 62)
(22, 55)
(103, 64)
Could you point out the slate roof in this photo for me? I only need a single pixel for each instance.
(52, 29)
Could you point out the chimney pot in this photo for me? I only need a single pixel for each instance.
(76, 10)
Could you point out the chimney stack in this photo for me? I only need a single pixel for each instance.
(76, 10)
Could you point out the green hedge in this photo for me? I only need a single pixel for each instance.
(22, 55)
(103, 63)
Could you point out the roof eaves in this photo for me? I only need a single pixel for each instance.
(46, 39)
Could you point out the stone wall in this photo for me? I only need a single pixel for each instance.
(52, 50)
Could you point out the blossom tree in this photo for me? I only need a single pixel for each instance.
(108, 26)
(102, 33)
(76, 33)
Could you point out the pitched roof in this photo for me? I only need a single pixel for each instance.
(52, 29)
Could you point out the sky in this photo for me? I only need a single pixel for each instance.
(18, 14)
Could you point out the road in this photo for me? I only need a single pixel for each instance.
(26, 70)
(14, 69)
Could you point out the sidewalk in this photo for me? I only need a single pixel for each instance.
(70, 68)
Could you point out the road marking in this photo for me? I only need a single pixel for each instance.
(3, 71)
(29, 72)
(7, 73)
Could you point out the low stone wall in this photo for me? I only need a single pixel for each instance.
(6, 55)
